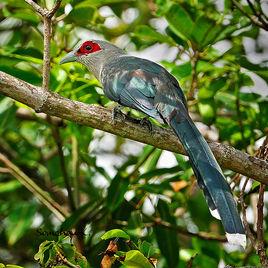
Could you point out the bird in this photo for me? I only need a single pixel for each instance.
(148, 87)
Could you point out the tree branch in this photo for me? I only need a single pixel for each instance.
(46, 57)
(47, 29)
(36, 7)
(98, 117)
(253, 19)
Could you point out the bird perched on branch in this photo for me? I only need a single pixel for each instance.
(147, 87)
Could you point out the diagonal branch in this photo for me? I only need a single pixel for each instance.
(43, 196)
(98, 117)
(253, 19)
(54, 9)
(36, 7)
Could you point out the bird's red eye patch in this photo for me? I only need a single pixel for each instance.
(88, 47)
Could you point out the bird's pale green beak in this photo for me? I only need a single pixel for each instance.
(70, 57)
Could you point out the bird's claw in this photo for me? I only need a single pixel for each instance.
(146, 123)
(116, 112)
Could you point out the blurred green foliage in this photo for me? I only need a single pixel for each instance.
(119, 185)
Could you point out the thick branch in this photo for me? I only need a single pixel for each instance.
(100, 118)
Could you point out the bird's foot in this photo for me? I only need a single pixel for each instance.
(117, 112)
(147, 123)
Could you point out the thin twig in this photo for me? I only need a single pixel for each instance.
(235, 180)
(260, 234)
(46, 56)
(58, 141)
(47, 38)
(193, 86)
(47, 29)
(179, 229)
(4, 170)
(239, 115)
(36, 7)
(54, 9)
(75, 170)
(190, 262)
(253, 19)
(65, 260)
(257, 14)
(259, 243)
(244, 214)
(262, 153)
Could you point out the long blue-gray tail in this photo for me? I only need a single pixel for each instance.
(209, 175)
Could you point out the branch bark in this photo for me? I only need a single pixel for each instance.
(101, 118)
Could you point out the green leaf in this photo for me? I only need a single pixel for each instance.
(115, 233)
(212, 34)
(255, 184)
(148, 34)
(40, 256)
(256, 68)
(201, 29)
(99, 3)
(28, 76)
(156, 188)
(207, 110)
(75, 217)
(82, 14)
(182, 71)
(19, 221)
(135, 259)
(116, 191)
(160, 172)
(9, 186)
(119, 185)
(167, 239)
(23, 14)
(148, 250)
(180, 21)
(211, 90)
(48, 254)
(210, 253)
(12, 266)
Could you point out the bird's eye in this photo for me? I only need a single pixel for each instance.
(87, 47)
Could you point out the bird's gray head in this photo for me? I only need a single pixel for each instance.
(93, 54)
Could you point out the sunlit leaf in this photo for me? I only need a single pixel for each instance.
(19, 221)
(180, 21)
(135, 259)
(167, 238)
(115, 233)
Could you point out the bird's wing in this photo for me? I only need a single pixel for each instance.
(139, 84)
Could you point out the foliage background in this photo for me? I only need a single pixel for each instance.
(220, 58)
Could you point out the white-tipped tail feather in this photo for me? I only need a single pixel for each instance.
(237, 239)
(215, 213)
